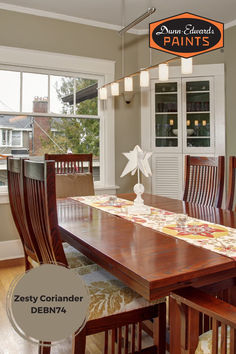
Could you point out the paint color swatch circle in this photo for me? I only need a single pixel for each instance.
(48, 303)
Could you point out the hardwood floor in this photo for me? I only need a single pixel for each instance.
(12, 343)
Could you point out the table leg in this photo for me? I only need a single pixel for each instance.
(233, 296)
(175, 332)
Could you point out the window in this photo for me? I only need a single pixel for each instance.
(58, 114)
(17, 138)
(52, 100)
(6, 137)
(10, 138)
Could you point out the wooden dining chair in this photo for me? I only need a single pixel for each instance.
(207, 323)
(129, 309)
(30, 245)
(71, 163)
(74, 174)
(74, 177)
(206, 213)
(15, 191)
(231, 183)
(204, 180)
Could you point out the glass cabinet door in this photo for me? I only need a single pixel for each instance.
(166, 115)
(198, 114)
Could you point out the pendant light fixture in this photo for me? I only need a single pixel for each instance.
(144, 78)
(103, 93)
(163, 72)
(144, 74)
(128, 84)
(186, 65)
(115, 89)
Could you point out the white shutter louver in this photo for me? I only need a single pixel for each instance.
(167, 176)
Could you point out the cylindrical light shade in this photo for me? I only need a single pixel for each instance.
(163, 72)
(115, 89)
(186, 65)
(103, 93)
(144, 78)
(128, 84)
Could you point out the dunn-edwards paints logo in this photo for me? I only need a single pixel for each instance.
(186, 35)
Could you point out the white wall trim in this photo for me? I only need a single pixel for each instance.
(11, 249)
(68, 18)
(55, 61)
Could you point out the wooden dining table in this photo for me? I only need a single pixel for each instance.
(149, 261)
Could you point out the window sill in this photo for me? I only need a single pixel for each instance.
(105, 189)
(4, 199)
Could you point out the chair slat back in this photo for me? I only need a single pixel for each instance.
(41, 209)
(204, 180)
(72, 163)
(201, 312)
(15, 191)
(231, 184)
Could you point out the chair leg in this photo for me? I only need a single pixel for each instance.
(106, 343)
(159, 329)
(79, 342)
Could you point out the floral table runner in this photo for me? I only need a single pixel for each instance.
(217, 238)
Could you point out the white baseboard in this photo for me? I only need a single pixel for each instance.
(11, 249)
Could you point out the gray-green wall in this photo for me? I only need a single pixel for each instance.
(7, 227)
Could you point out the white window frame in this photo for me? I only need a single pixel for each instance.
(38, 61)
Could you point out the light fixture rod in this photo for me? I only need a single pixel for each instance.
(149, 11)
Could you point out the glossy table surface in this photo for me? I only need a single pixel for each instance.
(148, 261)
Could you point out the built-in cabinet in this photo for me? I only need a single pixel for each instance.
(184, 115)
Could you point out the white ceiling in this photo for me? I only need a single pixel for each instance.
(108, 13)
